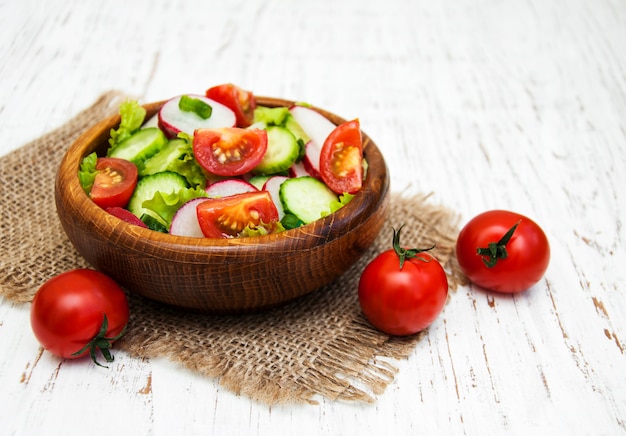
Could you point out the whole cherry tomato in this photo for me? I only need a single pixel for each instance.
(79, 312)
(402, 291)
(503, 251)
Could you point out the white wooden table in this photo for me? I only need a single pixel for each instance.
(515, 104)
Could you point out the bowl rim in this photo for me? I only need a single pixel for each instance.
(153, 243)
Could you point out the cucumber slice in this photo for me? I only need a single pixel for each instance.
(140, 146)
(296, 129)
(307, 198)
(165, 182)
(282, 151)
(258, 181)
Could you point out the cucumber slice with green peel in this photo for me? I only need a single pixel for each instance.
(142, 145)
(296, 129)
(165, 182)
(307, 198)
(258, 181)
(282, 151)
(154, 222)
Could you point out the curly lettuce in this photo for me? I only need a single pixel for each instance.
(165, 205)
(132, 117)
(177, 156)
(87, 172)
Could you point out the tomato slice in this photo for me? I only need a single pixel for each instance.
(114, 183)
(341, 158)
(224, 217)
(229, 151)
(241, 102)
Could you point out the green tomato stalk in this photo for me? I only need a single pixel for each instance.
(102, 343)
(496, 250)
(404, 253)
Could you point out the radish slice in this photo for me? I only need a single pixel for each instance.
(273, 187)
(151, 122)
(298, 170)
(185, 221)
(126, 215)
(317, 127)
(314, 124)
(311, 160)
(227, 187)
(173, 120)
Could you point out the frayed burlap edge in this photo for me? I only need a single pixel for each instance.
(27, 189)
(343, 359)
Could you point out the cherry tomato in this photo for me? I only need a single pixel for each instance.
(503, 251)
(79, 312)
(241, 102)
(341, 158)
(402, 291)
(230, 151)
(227, 216)
(114, 183)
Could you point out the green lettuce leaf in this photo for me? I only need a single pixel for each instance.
(87, 172)
(165, 205)
(343, 199)
(261, 230)
(271, 116)
(177, 156)
(132, 117)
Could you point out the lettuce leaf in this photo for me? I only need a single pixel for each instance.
(343, 199)
(87, 172)
(177, 156)
(272, 116)
(132, 117)
(261, 230)
(165, 205)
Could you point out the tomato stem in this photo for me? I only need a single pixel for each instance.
(411, 253)
(102, 343)
(496, 250)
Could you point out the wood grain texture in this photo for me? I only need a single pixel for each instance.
(511, 104)
(220, 275)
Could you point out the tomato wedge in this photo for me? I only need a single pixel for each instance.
(114, 183)
(241, 102)
(225, 217)
(229, 151)
(341, 158)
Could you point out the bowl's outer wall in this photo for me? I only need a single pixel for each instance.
(220, 276)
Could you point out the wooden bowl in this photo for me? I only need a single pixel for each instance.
(219, 275)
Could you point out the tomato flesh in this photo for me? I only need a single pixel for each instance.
(404, 301)
(240, 101)
(68, 311)
(229, 151)
(341, 158)
(528, 251)
(114, 183)
(228, 216)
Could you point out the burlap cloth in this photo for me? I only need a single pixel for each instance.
(318, 345)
